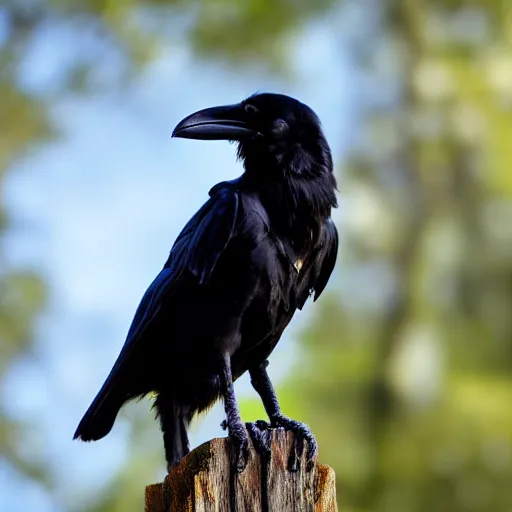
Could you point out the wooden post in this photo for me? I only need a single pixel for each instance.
(205, 482)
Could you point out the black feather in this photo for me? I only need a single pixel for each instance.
(236, 274)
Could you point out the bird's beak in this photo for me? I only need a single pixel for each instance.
(217, 123)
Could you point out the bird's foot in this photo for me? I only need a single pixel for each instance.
(259, 432)
(239, 442)
(302, 433)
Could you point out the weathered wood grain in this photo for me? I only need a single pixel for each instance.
(205, 482)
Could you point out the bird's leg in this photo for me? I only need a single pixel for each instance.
(173, 421)
(261, 383)
(235, 427)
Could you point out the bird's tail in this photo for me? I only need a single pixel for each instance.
(174, 420)
(99, 418)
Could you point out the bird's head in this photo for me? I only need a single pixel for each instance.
(277, 135)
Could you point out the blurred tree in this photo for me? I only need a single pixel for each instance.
(119, 36)
(411, 405)
(22, 121)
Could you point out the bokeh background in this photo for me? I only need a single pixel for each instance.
(403, 368)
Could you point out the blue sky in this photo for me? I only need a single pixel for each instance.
(97, 212)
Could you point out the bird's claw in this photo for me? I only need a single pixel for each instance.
(302, 434)
(260, 435)
(260, 431)
(240, 444)
(241, 455)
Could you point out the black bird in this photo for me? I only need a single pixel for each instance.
(238, 271)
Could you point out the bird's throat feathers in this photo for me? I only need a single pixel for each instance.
(295, 184)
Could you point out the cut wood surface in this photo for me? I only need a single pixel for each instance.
(204, 481)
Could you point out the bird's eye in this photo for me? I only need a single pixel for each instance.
(279, 127)
(250, 109)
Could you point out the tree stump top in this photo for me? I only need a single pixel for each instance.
(204, 481)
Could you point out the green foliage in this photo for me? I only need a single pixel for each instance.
(135, 29)
(410, 400)
(22, 297)
(22, 123)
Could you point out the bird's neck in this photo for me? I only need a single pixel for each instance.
(296, 187)
(297, 207)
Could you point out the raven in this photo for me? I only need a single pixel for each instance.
(236, 274)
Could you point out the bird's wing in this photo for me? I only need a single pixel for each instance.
(328, 254)
(191, 261)
(194, 253)
(323, 263)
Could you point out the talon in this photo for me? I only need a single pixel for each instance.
(240, 445)
(260, 436)
(302, 433)
(241, 453)
(296, 453)
(312, 452)
(262, 425)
